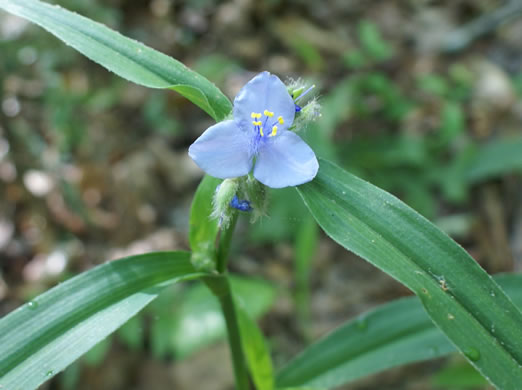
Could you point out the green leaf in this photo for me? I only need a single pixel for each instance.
(203, 229)
(199, 320)
(496, 158)
(306, 241)
(45, 335)
(391, 335)
(124, 56)
(460, 297)
(255, 350)
(307, 237)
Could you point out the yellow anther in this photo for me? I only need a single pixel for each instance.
(280, 120)
(274, 131)
(255, 115)
(257, 123)
(261, 132)
(268, 113)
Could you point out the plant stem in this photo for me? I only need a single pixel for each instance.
(234, 339)
(224, 245)
(220, 286)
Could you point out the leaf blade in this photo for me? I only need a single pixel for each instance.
(255, 350)
(388, 336)
(123, 56)
(41, 338)
(459, 296)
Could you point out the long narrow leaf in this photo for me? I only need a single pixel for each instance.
(460, 297)
(44, 336)
(124, 56)
(393, 334)
(255, 349)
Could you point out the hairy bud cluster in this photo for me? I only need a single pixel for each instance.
(244, 194)
(307, 107)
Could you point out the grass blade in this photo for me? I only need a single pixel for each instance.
(125, 57)
(44, 336)
(391, 335)
(460, 297)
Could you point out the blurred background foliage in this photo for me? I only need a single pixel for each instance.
(93, 168)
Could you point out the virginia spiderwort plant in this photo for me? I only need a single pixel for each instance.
(258, 139)
(256, 148)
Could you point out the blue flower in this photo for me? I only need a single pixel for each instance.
(257, 139)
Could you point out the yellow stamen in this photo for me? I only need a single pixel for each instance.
(274, 131)
(255, 115)
(261, 132)
(257, 123)
(268, 113)
(280, 120)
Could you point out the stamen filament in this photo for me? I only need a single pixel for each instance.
(260, 125)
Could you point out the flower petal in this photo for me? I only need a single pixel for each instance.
(286, 161)
(264, 92)
(222, 151)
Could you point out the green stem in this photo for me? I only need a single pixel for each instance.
(220, 286)
(234, 339)
(224, 245)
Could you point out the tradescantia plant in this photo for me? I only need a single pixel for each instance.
(254, 145)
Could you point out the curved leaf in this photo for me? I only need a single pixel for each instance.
(125, 57)
(393, 334)
(255, 350)
(460, 297)
(44, 336)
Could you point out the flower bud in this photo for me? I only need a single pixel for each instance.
(304, 112)
(257, 195)
(295, 93)
(311, 111)
(224, 194)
